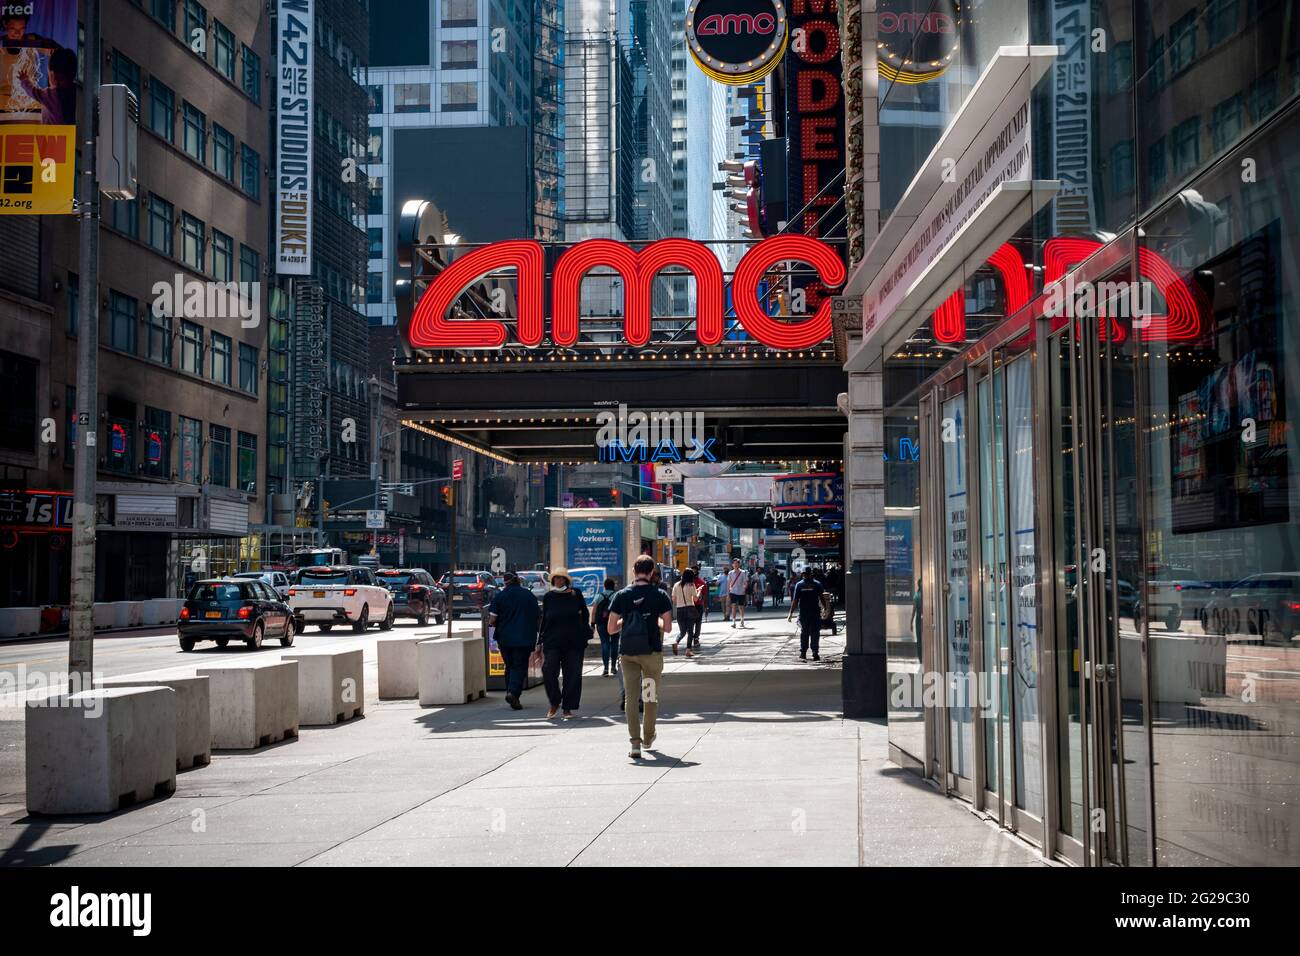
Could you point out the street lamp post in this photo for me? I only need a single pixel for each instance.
(81, 624)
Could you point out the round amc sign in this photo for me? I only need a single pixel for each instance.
(737, 41)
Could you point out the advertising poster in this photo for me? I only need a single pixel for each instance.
(594, 544)
(38, 106)
(293, 165)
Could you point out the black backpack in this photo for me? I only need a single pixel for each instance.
(640, 633)
(602, 611)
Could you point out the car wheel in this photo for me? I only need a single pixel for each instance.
(1173, 620)
(187, 643)
(287, 639)
(326, 628)
(255, 642)
(363, 621)
(387, 623)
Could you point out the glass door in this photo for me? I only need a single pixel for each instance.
(955, 588)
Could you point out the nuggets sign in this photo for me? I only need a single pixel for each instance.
(431, 329)
(736, 41)
(36, 169)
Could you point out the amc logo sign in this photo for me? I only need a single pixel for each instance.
(720, 24)
(431, 329)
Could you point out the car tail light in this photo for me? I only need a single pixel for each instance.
(185, 614)
(1178, 587)
(292, 592)
(349, 592)
(477, 585)
(417, 588)
(246, 611)
(1294, 605)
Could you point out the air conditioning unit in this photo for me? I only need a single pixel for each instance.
(119, 120)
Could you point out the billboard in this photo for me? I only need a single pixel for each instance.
(293, 147)
(594, 544)
(38, 106)
(737, 42)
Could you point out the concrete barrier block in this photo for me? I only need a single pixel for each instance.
(451, 671)
(252, 704)
(19, 621)
(398, 667)
(103, 615)
(331, 686)
(100, 750)
(1184, 668)
(193, 715)
(169, 609)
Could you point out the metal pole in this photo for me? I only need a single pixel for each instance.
(452, 555)
(375, 470)
(81, 625)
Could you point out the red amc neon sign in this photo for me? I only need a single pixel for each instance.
(431, 329)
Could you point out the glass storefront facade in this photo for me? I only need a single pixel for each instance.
(1092, 480)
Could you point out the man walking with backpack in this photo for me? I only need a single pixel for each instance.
(640, 615)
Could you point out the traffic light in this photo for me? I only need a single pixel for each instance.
(446, 495)
(613, 494)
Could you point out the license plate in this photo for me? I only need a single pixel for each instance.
(317, 594)
(212, 614)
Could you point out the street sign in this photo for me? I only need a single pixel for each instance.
(667, 474)
(375, 519)
(457, 469)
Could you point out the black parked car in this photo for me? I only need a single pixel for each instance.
(225, 609)
(472, 591)
(415, 594)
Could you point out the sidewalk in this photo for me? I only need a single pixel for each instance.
(753, 766)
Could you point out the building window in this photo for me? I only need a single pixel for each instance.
(248, 356)
(1220, 21)
(121, 437)
(1186, 144)
(223, 256)
(1225, 126)
(196, 21)
(1156, 59)
(375, 235)
(74, 302)
(21, 376)
(157, 442)
(195, 138)
(219, 455)
(1121, 167)
(375, 199)
(247, 462)
(1121, 68)
(459, 97)
(223, 152)
(374, 287)
(121, 321)
(250, 171)
(158, 338)
(250, 264)
(411, 98)
(220, 358)
(164, 11)
(460, 13)
(160, 224)
(1156, 169)
(192, 348)
(459, 54)
(252, 74)
(193, 242)
(126, 217)
(70, 429)
(162, 110)
(190, 458)
(223, 49)
(1263, 97)
(126, 70)
(376, 95)
(375, 146)
(1182, 44)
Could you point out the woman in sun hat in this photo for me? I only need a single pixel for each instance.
(565, 631)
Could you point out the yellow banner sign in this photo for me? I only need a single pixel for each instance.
(37, 169)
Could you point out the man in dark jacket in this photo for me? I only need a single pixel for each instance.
(807, 600)
(513, 612)
(566, 629)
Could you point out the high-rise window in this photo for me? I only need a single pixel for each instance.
(248, 357)
(252, 74)
(193, 242)
(250, 171)
(376, 96)
(192, 348)
(221, 358)
(195, 138)
(1182, 44)
(223, 152)
(125, 216)
(375, 236)
(411, 98)
(247, 466)
(158, 344)
(164, 11)
(1186, 144)
(162, 110)
(219, 455)
(375, 200)
(126, 70)
(160, 224)
(460, 13)
(1220, 21)
(157, 443)
(196, 21)
(375, 146)
(223, 49)
(190, 460)
(223, 256)
(459, 54)
(1225, 126)
(459, 97)
(121, 321)
(250, 264)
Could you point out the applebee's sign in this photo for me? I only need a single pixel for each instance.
(430, 328)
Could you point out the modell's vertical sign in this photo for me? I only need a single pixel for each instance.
(815, 123)
(293, 166)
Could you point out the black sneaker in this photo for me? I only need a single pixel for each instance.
(513, 701)
(817, 657)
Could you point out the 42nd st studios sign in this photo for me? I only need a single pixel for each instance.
(293, 156)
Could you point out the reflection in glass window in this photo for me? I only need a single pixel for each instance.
(410, 97)
(459, 97)
(1182, 44)
(459, 54)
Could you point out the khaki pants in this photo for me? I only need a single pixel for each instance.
(637, 670)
